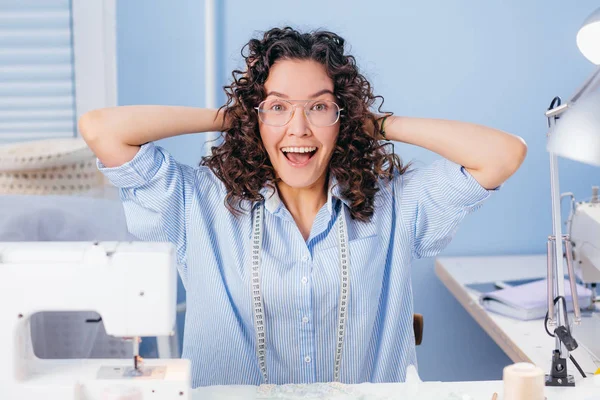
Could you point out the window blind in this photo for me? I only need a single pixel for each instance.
(37, 89)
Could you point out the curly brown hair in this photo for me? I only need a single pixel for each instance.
(358, 161)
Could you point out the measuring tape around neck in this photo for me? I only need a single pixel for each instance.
(257, 300)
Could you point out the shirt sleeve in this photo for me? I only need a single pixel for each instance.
(434, 200)
(156, 192)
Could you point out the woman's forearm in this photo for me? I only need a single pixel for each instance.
(490, 155)
(115, 134)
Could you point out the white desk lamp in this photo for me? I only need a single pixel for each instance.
(574, 133)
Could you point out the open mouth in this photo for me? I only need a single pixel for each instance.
(299, 155)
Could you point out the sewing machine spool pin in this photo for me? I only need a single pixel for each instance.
(137, 360)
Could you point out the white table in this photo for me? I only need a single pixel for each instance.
(480, 390)
(524, 341)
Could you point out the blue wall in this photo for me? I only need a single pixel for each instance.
(497, 63)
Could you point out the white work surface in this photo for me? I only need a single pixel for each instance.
(587, 390)
(524, 341)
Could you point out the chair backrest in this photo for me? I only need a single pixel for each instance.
(418, 328)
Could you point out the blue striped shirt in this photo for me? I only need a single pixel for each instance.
(416, 215)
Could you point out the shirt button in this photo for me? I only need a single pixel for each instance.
(305, 319)
(304, 258)
(307, 359)
(304, 280)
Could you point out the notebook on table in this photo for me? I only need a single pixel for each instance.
(529, 300)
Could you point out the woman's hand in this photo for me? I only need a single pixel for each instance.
(374, 129)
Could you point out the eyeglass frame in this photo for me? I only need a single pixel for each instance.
(339, 112)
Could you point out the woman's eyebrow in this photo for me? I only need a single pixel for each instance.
(320, 92)
(273, 93)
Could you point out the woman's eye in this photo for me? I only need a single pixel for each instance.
(277, 107)
(320, 107)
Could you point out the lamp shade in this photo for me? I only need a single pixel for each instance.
(576, 134)
(588, 37)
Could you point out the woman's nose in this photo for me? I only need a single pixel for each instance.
(298, 125)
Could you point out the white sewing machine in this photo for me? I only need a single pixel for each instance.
(584, 227)
(133, 288)
(585, 237)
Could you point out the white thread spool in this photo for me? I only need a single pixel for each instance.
(523, 381)
(121, 392)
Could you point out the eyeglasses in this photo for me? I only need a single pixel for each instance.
(278, 112)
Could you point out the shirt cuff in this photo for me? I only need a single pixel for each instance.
(470, 193)
(136, 172)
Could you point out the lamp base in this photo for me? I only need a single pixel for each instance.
(553, 381)
(558, 374)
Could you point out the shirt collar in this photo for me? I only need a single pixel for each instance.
(335, 192)
(273, 201)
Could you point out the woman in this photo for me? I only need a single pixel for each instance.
(295, 237)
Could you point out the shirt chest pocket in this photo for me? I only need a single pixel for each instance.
(367, 265)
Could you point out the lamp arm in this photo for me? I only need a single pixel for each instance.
(589, 85)
(556, 280)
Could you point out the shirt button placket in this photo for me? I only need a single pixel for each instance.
(307, 344)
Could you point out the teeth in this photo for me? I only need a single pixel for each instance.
(298, 149)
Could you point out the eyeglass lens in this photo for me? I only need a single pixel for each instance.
(277, 112)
